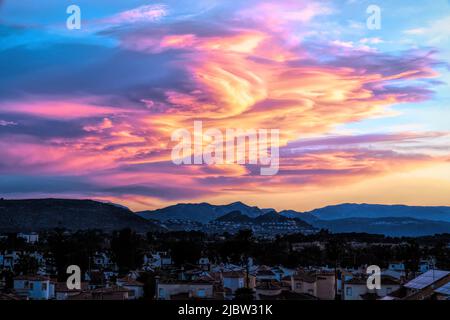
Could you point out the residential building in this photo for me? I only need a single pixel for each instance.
(356, 288)
(424, 286)
(101, 260)
(267, 289)
(265, 273)
(8, 259)
(31, 237)
(397, 266)
(234, 280)
(109, 293)
(325, 285)
(302, 282)
(136, 288)
(173, 289)
(34, 287)
(64, 293)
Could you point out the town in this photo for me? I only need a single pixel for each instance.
(192, 265)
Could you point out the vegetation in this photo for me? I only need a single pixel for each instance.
(127, 249)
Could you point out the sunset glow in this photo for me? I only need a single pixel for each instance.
(363, 114)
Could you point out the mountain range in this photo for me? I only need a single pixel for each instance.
(351, 210)
(390, 220)
(201, 212)
(267, 217)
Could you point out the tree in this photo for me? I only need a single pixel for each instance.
(185, 252)
(149, 281)
(125, 246)
(27, 265)
(442, 254)
(58, 249)
(334, 251)
(412, 256)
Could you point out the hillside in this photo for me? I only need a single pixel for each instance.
(46, 214)
(396, 220)
(201, 212)
(389, 226)
(235, 216)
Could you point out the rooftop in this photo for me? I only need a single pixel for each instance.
(32, 278)
(426, 279)
(445, 289)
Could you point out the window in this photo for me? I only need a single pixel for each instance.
(162, 293)
(31, 285)
(44, 286)
(201, 293)
(348, 291)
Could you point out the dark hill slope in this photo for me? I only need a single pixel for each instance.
(47, 214)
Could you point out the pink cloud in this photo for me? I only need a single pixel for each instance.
(58, 109)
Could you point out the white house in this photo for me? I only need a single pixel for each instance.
(31, 237)
(157, 260)
(425, 265)
(356, 288)
(233, 280)
(265, 273)
(102, 261)
(175, 290)
(34, 287)
(136, 288)
(62, 292)
(281, 272)
(301, 282)
(397, 266)
(204, 263)
(9, 259)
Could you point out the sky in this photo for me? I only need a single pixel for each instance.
(363, 114)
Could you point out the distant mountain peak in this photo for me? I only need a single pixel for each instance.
(200, 212)
(238, 203)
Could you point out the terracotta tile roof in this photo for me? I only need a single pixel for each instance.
(385, 280)
(32, 278)
(305, 277)
(109, 293)
(62, 287)
(265, 273)
(9, 296)
(127, 281)
(288, 295)
(193, 282)
(269, 285)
